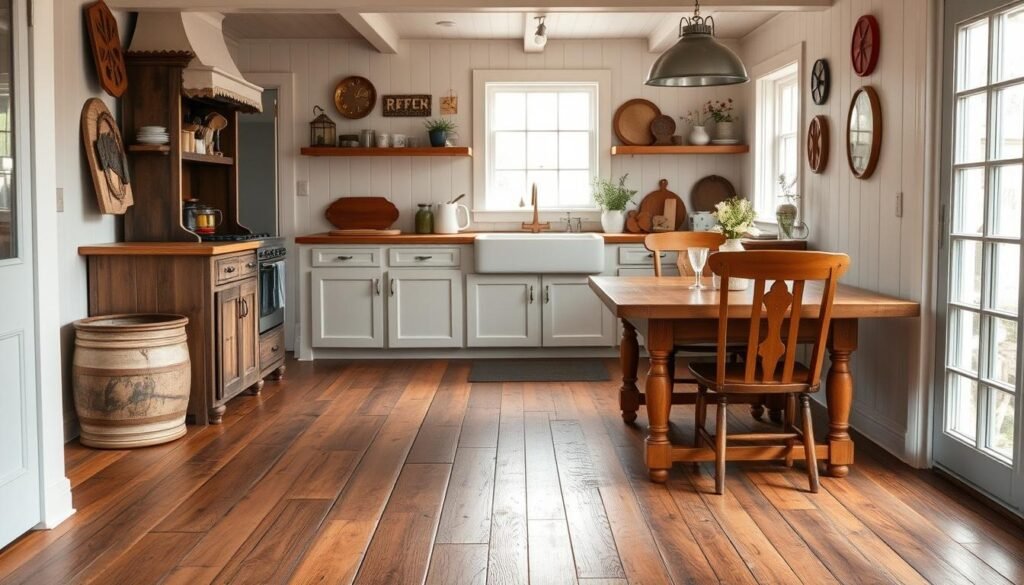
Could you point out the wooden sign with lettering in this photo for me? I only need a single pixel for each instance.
(407, 106)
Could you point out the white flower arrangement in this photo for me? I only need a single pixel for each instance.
(735, 218)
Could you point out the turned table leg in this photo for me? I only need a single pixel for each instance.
(839, 393)
(629, 356)
(658, 399)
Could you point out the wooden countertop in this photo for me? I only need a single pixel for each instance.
(469, 237)
(167, 248)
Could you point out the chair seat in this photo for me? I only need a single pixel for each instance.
(706, 375)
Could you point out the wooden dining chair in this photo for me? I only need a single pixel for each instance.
(774, 325)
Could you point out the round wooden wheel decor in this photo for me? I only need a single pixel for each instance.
(355, 97)
(821, 81)
(864, 47)
(817, 144)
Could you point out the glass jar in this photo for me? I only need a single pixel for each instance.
(424, 219)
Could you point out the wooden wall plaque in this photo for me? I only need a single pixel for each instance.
(106, 48)
(406, 106)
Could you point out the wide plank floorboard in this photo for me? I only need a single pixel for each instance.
(404, 473)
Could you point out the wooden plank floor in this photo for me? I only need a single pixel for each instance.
(397, 473)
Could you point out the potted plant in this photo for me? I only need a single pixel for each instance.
(613, 199)
(696, 119)
(786, 213)
(438, 130)
(735, 219)
(721, 113)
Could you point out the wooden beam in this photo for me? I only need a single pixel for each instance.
(375, 28)
(379, 6)
(529, 28)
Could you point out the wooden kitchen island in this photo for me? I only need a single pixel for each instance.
(667, 313)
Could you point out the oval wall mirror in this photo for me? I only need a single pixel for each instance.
(864, 132)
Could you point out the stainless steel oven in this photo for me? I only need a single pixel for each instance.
(271, 256)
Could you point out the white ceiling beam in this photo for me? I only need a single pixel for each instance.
(376, 6)
(529, 28)
(375, 28)
(663, 36)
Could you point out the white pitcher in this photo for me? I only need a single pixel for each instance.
(446, 218)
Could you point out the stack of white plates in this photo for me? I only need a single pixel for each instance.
(153, 135)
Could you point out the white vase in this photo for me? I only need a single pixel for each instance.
(613, 221)
(733, 245)
(725, 130)
(699, 136)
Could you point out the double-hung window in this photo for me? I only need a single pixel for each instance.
(777, 147)
(542, 132)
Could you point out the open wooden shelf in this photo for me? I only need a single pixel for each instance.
(708, 149)
(210, 159)
(419, 151)
(149, 148)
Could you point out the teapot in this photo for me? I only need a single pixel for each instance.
(201, 218)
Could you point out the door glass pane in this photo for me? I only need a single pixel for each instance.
(1009, 121)
(962, 406)
(1006, 185)
(971, 132)
(8, 207)
(1003, 349)
(1009, 64)
(966, 274)
(972, 56)
(964, 340)
(1000, 427)
(1006, 277)
(969, 201)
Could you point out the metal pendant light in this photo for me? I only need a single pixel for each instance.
(697, 59)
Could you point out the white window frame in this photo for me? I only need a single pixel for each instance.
(482, 137)
(767, 75)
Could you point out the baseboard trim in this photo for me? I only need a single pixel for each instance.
(57, 506)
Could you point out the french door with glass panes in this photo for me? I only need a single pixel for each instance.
(977, 416)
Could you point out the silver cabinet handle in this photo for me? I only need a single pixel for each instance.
(422, 258)
(376, 286)
(344, 258)
(531, 294)
(392, 287)
(250, 265)
(547, 293)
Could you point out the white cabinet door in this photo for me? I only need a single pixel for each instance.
(573, 315)
(424, 308)
(348, 307)
(503, 310)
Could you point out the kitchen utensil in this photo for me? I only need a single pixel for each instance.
(654, 204)
(358, 232)
(702, 221)
(645, 220)
(446, 218)
(456, 200)
(709, 191)
(361, 213)
(663, 127)
(366, 138)
(632, 122)
(632, 225)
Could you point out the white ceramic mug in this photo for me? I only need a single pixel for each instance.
(398, 141)
(446, 218)
(383, 140)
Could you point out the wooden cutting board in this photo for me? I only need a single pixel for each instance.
(632, 122)
(710, 191)
(654, 204)
(362, 213)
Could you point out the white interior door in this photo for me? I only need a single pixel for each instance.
(977, 426)
(19, 445)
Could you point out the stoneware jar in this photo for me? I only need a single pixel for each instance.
(699, 136)
(613, 221)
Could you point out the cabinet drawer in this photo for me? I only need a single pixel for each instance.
(644, 257)
(272, 347)
(248, 266)
(411, 257)
(227, 269)
(342, 257)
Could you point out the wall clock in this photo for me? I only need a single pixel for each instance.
(817, 144)
(106, 48)
(821, 81)
(864, 46)
(355, 97)
(864, 132)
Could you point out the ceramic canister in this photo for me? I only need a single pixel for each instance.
(702, 221)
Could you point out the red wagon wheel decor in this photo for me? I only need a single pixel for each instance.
(864, 47)
(817, 144)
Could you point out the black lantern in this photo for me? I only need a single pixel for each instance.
(322, 130)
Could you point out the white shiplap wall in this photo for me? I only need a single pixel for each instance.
(435, 66)
(858, 217)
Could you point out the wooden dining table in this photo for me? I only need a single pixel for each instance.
(667, 312)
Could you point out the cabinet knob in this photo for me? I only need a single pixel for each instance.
(250, 265)
(275, 348)
(229, 269)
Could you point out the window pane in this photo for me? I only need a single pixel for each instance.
(1000, 423)
(969, 201)
(1006, 184)
(547, 187)
(508, 190)
(574, 111)
(509, 150)
(965, 272)
(574, 150)
(542, 150)
(509, 111)
(971, 134)
(542, 111)
(972, 64)
(962, 407)
(1003, 349)
(574, 189)
(1005, 277)
(1009, 122)
(8, 203)
(963, 340)
(1011, 45)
